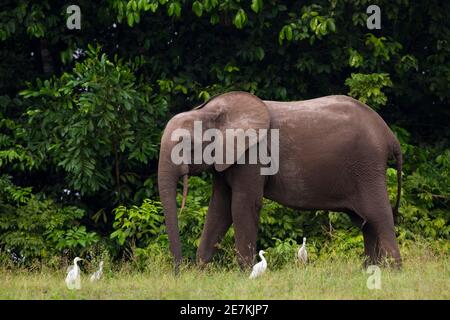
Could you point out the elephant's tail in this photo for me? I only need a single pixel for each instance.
(397, 153)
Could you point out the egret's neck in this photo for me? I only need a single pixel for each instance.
(261, 256)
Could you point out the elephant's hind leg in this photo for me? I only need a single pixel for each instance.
(379, 231)
(218, 220)
(370, 239)
(371, 248)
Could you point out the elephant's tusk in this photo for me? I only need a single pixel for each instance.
(363, 224)
(185, 191)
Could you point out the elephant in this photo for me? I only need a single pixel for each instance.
(333, 154)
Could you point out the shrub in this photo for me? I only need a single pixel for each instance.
(282, 252)
(34, 228)
(108, 126)
(138, 225)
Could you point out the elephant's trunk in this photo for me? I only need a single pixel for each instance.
(167, 185)
(168, 176)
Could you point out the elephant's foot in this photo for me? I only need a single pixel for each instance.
(386, 261)
(390, 258)
(203, 259)
(245, 263)
(377, 254)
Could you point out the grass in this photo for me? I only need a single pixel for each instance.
(425, 275)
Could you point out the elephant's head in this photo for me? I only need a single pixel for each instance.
(233, 110)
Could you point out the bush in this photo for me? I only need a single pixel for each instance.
(108, 127)
(284, 251)
(142, 229)
(138, 225)
(34, 228)
(424, 208)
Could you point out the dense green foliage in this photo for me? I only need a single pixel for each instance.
(32, 227)
(81, 111)
(99, 125)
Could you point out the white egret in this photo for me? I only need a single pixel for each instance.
(302, 254)
(97, 275)
(260, 267)
(73, 279)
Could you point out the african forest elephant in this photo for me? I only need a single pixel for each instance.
(333, 154)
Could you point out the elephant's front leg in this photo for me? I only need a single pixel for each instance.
(247, 193)
(218, 220)
(245, 211)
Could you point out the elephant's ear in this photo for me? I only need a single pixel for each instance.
(238, 110)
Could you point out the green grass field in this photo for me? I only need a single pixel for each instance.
(425, 275)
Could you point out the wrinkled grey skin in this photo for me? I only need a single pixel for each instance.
(333, 156)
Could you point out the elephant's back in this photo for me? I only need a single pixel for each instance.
(334, 108)
(330, 115)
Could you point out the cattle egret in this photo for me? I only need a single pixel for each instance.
(302, 254)
(260, 267)
(97, 274)
(73, 279)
